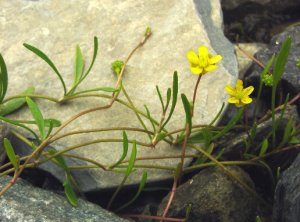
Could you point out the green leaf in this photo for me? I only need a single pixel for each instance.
(59, 160)
(125, 150)
(44, 57)
(103, 89)
(203, 158)
(160, 136)
(264, 147)
(131, 160)
(230, 124)
(281, 60)
(94, 57)
(140, 188)
(3, 78)
(11, 153)
(53, 122)
(160, 98)
(294, 140)
(150, 118)
(187, 109)
(79, 65)
(37, 116)
(288, 130)
(14, 122)
(14, 104)
(70, 193)
(174, 97)
(169, 93)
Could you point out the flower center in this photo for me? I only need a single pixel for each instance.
(239, 94)
(203, 61)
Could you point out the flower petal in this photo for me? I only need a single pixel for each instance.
(210, 68)
(239, 85)
(233, 100)
(196, 70)
(203, 51)
(246, 100)
(192, 57)
(230, 90)
(247, 91)
(215, 59)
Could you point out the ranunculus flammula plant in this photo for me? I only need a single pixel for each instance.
(204, 62)
(239, 94)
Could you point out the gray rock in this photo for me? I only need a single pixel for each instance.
(287, 195)
(234, 143)
(56, 26)
(244, 61)
(25, 203)
(214, 197)
(4, 133)
(290, 77)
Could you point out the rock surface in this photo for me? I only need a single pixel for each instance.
(56, 26)
(25, 203)
(290, 77)
(287, 195)
(4, 133)
(214, 197)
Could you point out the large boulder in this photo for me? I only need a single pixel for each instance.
(56, 26)
(24, 202)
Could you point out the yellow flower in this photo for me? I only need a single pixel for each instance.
(239, 95)
(204, 62)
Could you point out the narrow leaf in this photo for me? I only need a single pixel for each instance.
(14, 104)
(59, 160)
(187, 109)
(37, 116)
(11, 153)
(79, 65)
(125, 150)
(174, 97)
(281, 60)
(44, 57)
(160, 98)
(230, 125)
(209, 151)
(94, 57)
(264, 147)
(14, 122)
(3, 78)
(140, 188)
(150, 118)
(131, 160)
(70, 193)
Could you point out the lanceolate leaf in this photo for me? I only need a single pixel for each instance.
(94, 57)
(3, 78)
(264, 147)
(11, 153)
(174, 97)
(70, 193)
(187, 109)
(131, 160)
(14, 104)
(281, 60)
(38, 117)
(44, 57)
(79, 65)
(125, 150)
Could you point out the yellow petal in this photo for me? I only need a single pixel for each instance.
(239, 85)
(215, 59)
(233, 100)
(196, 70)
(203, 51)
(247, 91)
(210, 68)
(230, 90)
(246, 100)
(192, 57)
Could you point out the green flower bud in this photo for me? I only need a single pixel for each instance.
(298, 63)
(147, 32)
(117, 66)
(268, 80)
